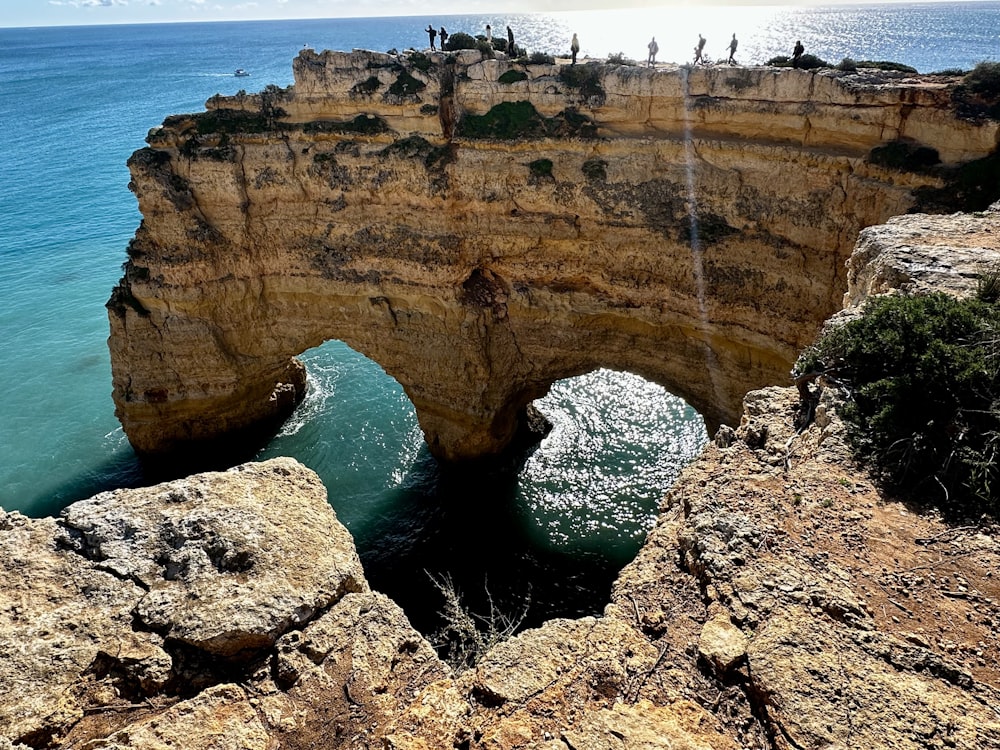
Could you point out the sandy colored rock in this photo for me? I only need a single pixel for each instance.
(220, 718)
(722, 643)
(95, 604)
(478, 270)
(257, 548)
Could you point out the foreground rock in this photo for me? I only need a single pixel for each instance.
(159, 591)
(780, 602)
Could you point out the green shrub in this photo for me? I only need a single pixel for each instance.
(406, 85)
(595, 170)
(485, 49)
(886, 65)
(806, 62)
(988, 283)
(585, 78)
(513, 76)
(618, 58)
(362, 124)
(973, 186)
(461, 40)
(505, 121)
(367, 87)
(541, 169)
(541, 58)
(420, 61)
(949, 72)
(510, 120)
(847, 65)
(906, 156)
(923, 405)
(984, 79)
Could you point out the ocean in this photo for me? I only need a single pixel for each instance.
(77, 101)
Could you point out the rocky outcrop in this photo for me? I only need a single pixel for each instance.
(139, 593)
(483, 229)
(780, 602)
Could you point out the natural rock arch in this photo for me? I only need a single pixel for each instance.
(687, 226)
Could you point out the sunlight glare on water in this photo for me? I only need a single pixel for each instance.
(617, 444)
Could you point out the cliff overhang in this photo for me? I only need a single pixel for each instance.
(481, 235)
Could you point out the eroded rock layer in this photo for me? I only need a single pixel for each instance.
(482, 229)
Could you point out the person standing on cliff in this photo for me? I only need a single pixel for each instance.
(699, 48)
(489, 34)
(732, 50)
(510, 44)
(797, 53)
(431, 33)
(653, 48)
(444, 36)
(574, 48)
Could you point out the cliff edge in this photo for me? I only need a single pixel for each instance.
(482, 228)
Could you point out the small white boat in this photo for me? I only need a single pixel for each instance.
(240, 73)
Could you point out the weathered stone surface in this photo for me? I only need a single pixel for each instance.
(921, 253)
(222, 540)
(710, 218)
(220, 718)
(95, 604)
(57, 615)
(347, 675)
(722, 643)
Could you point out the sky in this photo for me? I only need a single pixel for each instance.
(85, 12)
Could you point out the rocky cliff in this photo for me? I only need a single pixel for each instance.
(780, 602)
(482, 229)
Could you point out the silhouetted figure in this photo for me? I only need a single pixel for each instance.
(699, 48)
(574, 47)
(732, 50)
(431, 33)
(510, 43)
(653, 48)
(797, 54)
(489, 34)
(444, 36)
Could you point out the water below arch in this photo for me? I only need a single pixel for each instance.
(550, 530)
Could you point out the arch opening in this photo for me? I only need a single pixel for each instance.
(550, 527)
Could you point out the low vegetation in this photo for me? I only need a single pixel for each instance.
(595, 170)
(977, 97)
(584, 78)
(405, 85)
(361, 125)
(512, 120)
(922, 380)
(367, 87)
(465, 637)
(903, 155)
(461, 40)
(806, 62)
(512, 76)
(541, 58)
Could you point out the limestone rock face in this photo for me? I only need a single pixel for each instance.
(128, 592)
(920, 253)
(482, 239)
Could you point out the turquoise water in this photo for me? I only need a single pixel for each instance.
(77, 101)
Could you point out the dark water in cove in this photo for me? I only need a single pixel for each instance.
(77, 101)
